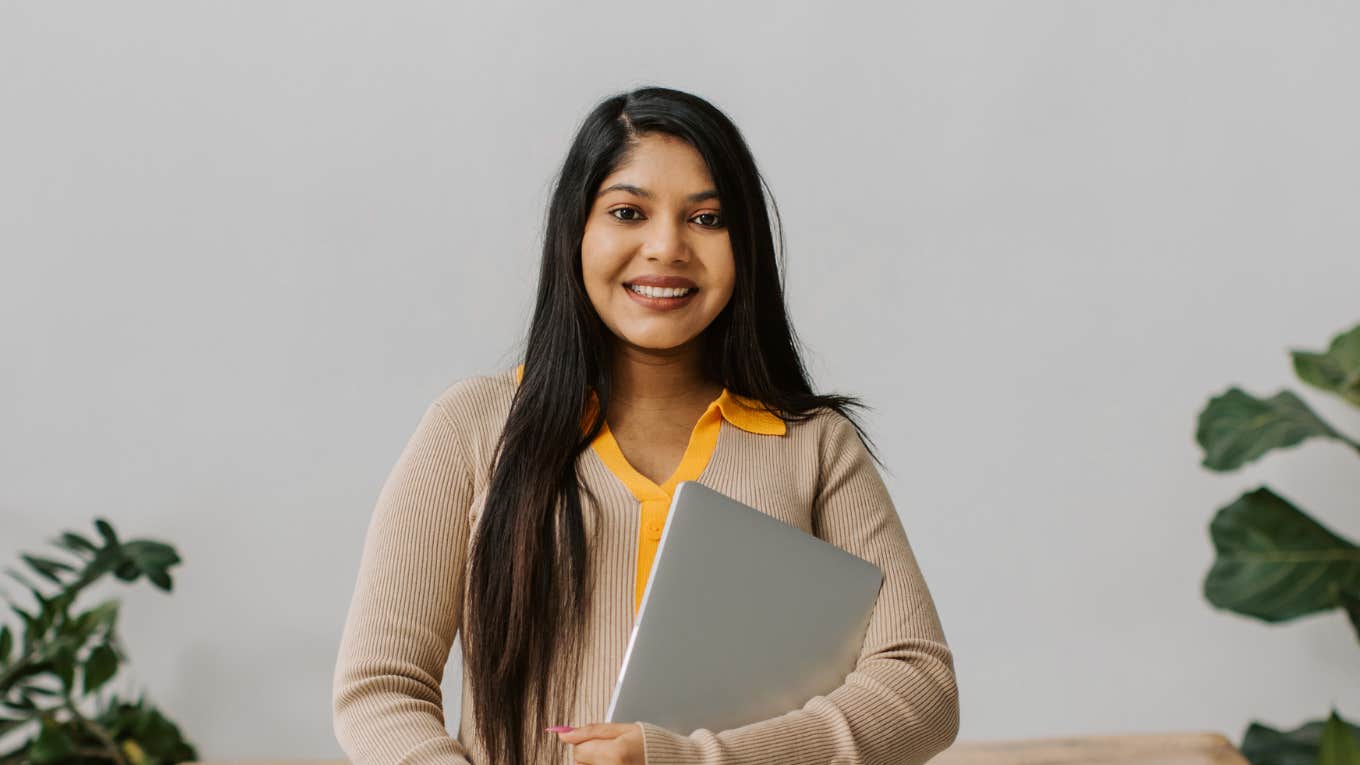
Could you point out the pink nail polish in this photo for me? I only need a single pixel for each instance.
(561, 729)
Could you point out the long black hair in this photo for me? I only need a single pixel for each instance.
(529, 582)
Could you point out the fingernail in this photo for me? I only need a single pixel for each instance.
(561, 729)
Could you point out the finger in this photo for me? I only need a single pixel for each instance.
(577, 735)
(592, 731)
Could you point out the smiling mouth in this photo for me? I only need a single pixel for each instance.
(660, 292)
(661, 299)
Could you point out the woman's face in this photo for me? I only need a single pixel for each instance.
(658, 215)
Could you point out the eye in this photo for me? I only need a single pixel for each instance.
(716, 220)
(613, 213)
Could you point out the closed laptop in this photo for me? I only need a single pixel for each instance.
(744, 618)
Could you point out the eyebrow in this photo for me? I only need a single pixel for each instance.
(696, 197)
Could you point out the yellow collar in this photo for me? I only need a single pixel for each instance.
(743, 412)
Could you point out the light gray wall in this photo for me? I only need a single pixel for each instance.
(245, 244)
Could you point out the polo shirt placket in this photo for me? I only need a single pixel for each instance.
(654, 500)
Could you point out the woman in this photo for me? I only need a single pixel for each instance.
(525, 511)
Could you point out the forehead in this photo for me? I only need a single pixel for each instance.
(663, 162)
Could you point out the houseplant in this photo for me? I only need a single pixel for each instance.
(1274, 562)
(54, 664)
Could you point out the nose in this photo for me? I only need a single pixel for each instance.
(666, 242)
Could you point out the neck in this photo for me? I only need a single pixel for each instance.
(646, 379)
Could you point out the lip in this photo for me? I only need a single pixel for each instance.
(656, 280)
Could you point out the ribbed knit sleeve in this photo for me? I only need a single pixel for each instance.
(386, 701)
(900, 704)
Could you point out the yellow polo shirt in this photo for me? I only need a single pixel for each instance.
(654, 501)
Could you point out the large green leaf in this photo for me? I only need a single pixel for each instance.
(1339, 744)
(1235, 427)
(1336, 371)
(101, 665)
(152, 559)
(148, 553)
(1264, 745)
(1274, 562)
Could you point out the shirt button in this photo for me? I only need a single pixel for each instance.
(653, 529)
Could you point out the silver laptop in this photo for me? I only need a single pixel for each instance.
(744, 618)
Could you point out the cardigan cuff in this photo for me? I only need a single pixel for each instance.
(664, 747)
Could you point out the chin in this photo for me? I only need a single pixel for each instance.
(655, 343)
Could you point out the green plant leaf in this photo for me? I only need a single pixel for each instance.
(99, 667)
(103, 562)
(105, 614)
(1336, 371)
(64, 665)
(52, 744)
(48, 568)
(152, 559)
(159, 578)
(160, 738)
(62, 602)
(47, 614)
(106, 531)
(151, 553)
(6, 643)
(127, 571)
(1339, 745)
(75, 543)
(1264, 745)
(100, 618)
(1274, 562)
(1235, 427)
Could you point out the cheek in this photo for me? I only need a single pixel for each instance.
(601, 266)
(599, 254)
(720, 297)
(724, 275)
(594, 262)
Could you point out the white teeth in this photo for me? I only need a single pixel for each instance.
(661, 292)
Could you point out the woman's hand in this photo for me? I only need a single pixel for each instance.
(606, 744)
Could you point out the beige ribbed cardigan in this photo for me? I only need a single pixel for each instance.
(899, 706)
